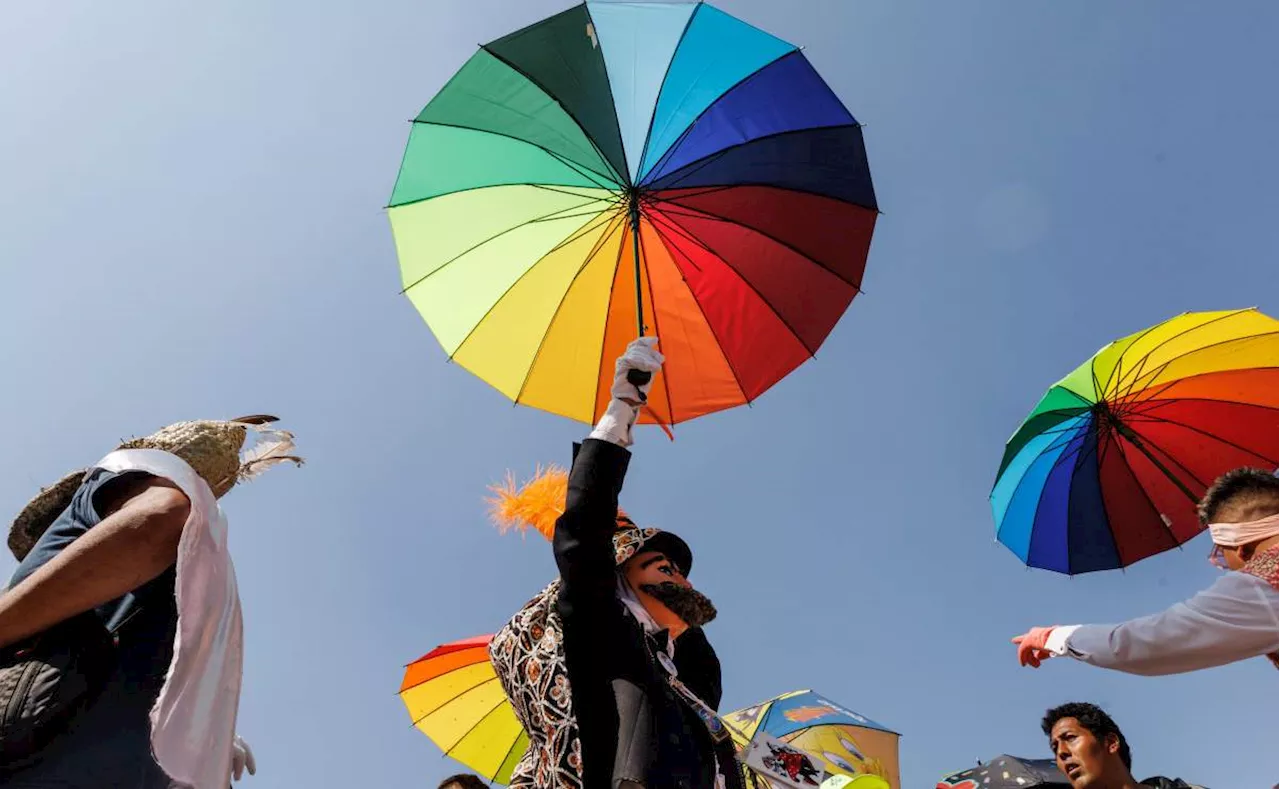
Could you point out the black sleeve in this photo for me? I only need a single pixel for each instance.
(583, 541)
(698, 666)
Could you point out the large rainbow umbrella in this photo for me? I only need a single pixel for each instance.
(1109, 466)
(628, 167)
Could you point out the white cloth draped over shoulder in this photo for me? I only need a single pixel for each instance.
(193, 721)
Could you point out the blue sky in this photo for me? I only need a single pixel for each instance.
(191, 225)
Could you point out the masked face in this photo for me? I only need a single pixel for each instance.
(653, 575)
(692, 607)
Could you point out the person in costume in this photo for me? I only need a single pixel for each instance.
(1234, 619)
(608, 669)
(126, 563)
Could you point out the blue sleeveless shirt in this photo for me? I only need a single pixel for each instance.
(109, 742)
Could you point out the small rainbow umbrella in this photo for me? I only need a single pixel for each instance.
(454, 697)
(628, 167)
(1109, 466)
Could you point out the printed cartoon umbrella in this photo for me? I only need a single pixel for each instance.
(628, 167)
(1108, 468)
(1007, 772)
(454, 697)
(845, 742)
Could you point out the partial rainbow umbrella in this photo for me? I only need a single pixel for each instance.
(1109, 466)
(844, 742)
(628, 168)
(454, 697)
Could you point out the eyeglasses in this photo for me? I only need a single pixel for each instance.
(1217, 559)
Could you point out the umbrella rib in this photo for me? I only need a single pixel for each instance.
(483, 718)
(1097, 469)
(759, 295)
(691, 169)
(1057, 431)
(619, 178)
(1140, 362)
(422, 682)
(697, 213)
(558, 188)
(1153, 445)
(510, 750)
(572, 237)
(604, 334)
(653, 116)
(1138, 379)
(737, 379)
(454, 698)
(1146, 496)
(1075, 434)
(543, 148)
(528, 374)
(1100, 388)
(1152, 394)
(679, 140)
(1147, 416)
(654, 193)
(493, 237)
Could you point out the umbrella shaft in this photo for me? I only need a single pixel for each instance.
(635, 253)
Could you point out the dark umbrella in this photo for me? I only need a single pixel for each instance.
(1006, 772)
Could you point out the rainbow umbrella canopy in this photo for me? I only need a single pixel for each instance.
(454, 697)
(844, 742)
(622, 168)
(1109, 466)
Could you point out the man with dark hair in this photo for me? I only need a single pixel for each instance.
(1091, 751)
(1088, 747)
(1234, 619)
(463, 781)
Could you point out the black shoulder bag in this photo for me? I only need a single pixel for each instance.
(46, 679)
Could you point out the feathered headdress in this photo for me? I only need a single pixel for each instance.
(535, 505)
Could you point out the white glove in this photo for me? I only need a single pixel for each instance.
(242, 759)
(620, 415)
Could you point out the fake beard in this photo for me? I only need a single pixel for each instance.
(693, 607)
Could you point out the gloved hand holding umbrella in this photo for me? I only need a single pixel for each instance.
(633, 377)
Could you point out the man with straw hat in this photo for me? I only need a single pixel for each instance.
(608, 669)
(1234, 619)
(125, 564)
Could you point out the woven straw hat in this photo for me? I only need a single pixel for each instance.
(211, 448)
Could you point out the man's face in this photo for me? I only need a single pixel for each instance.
(653, 574)
(1085, 760)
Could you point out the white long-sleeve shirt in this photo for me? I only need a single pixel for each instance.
(1234, 619)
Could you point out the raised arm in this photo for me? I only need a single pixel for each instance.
(583, 540)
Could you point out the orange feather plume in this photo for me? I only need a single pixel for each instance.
(536, 505)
